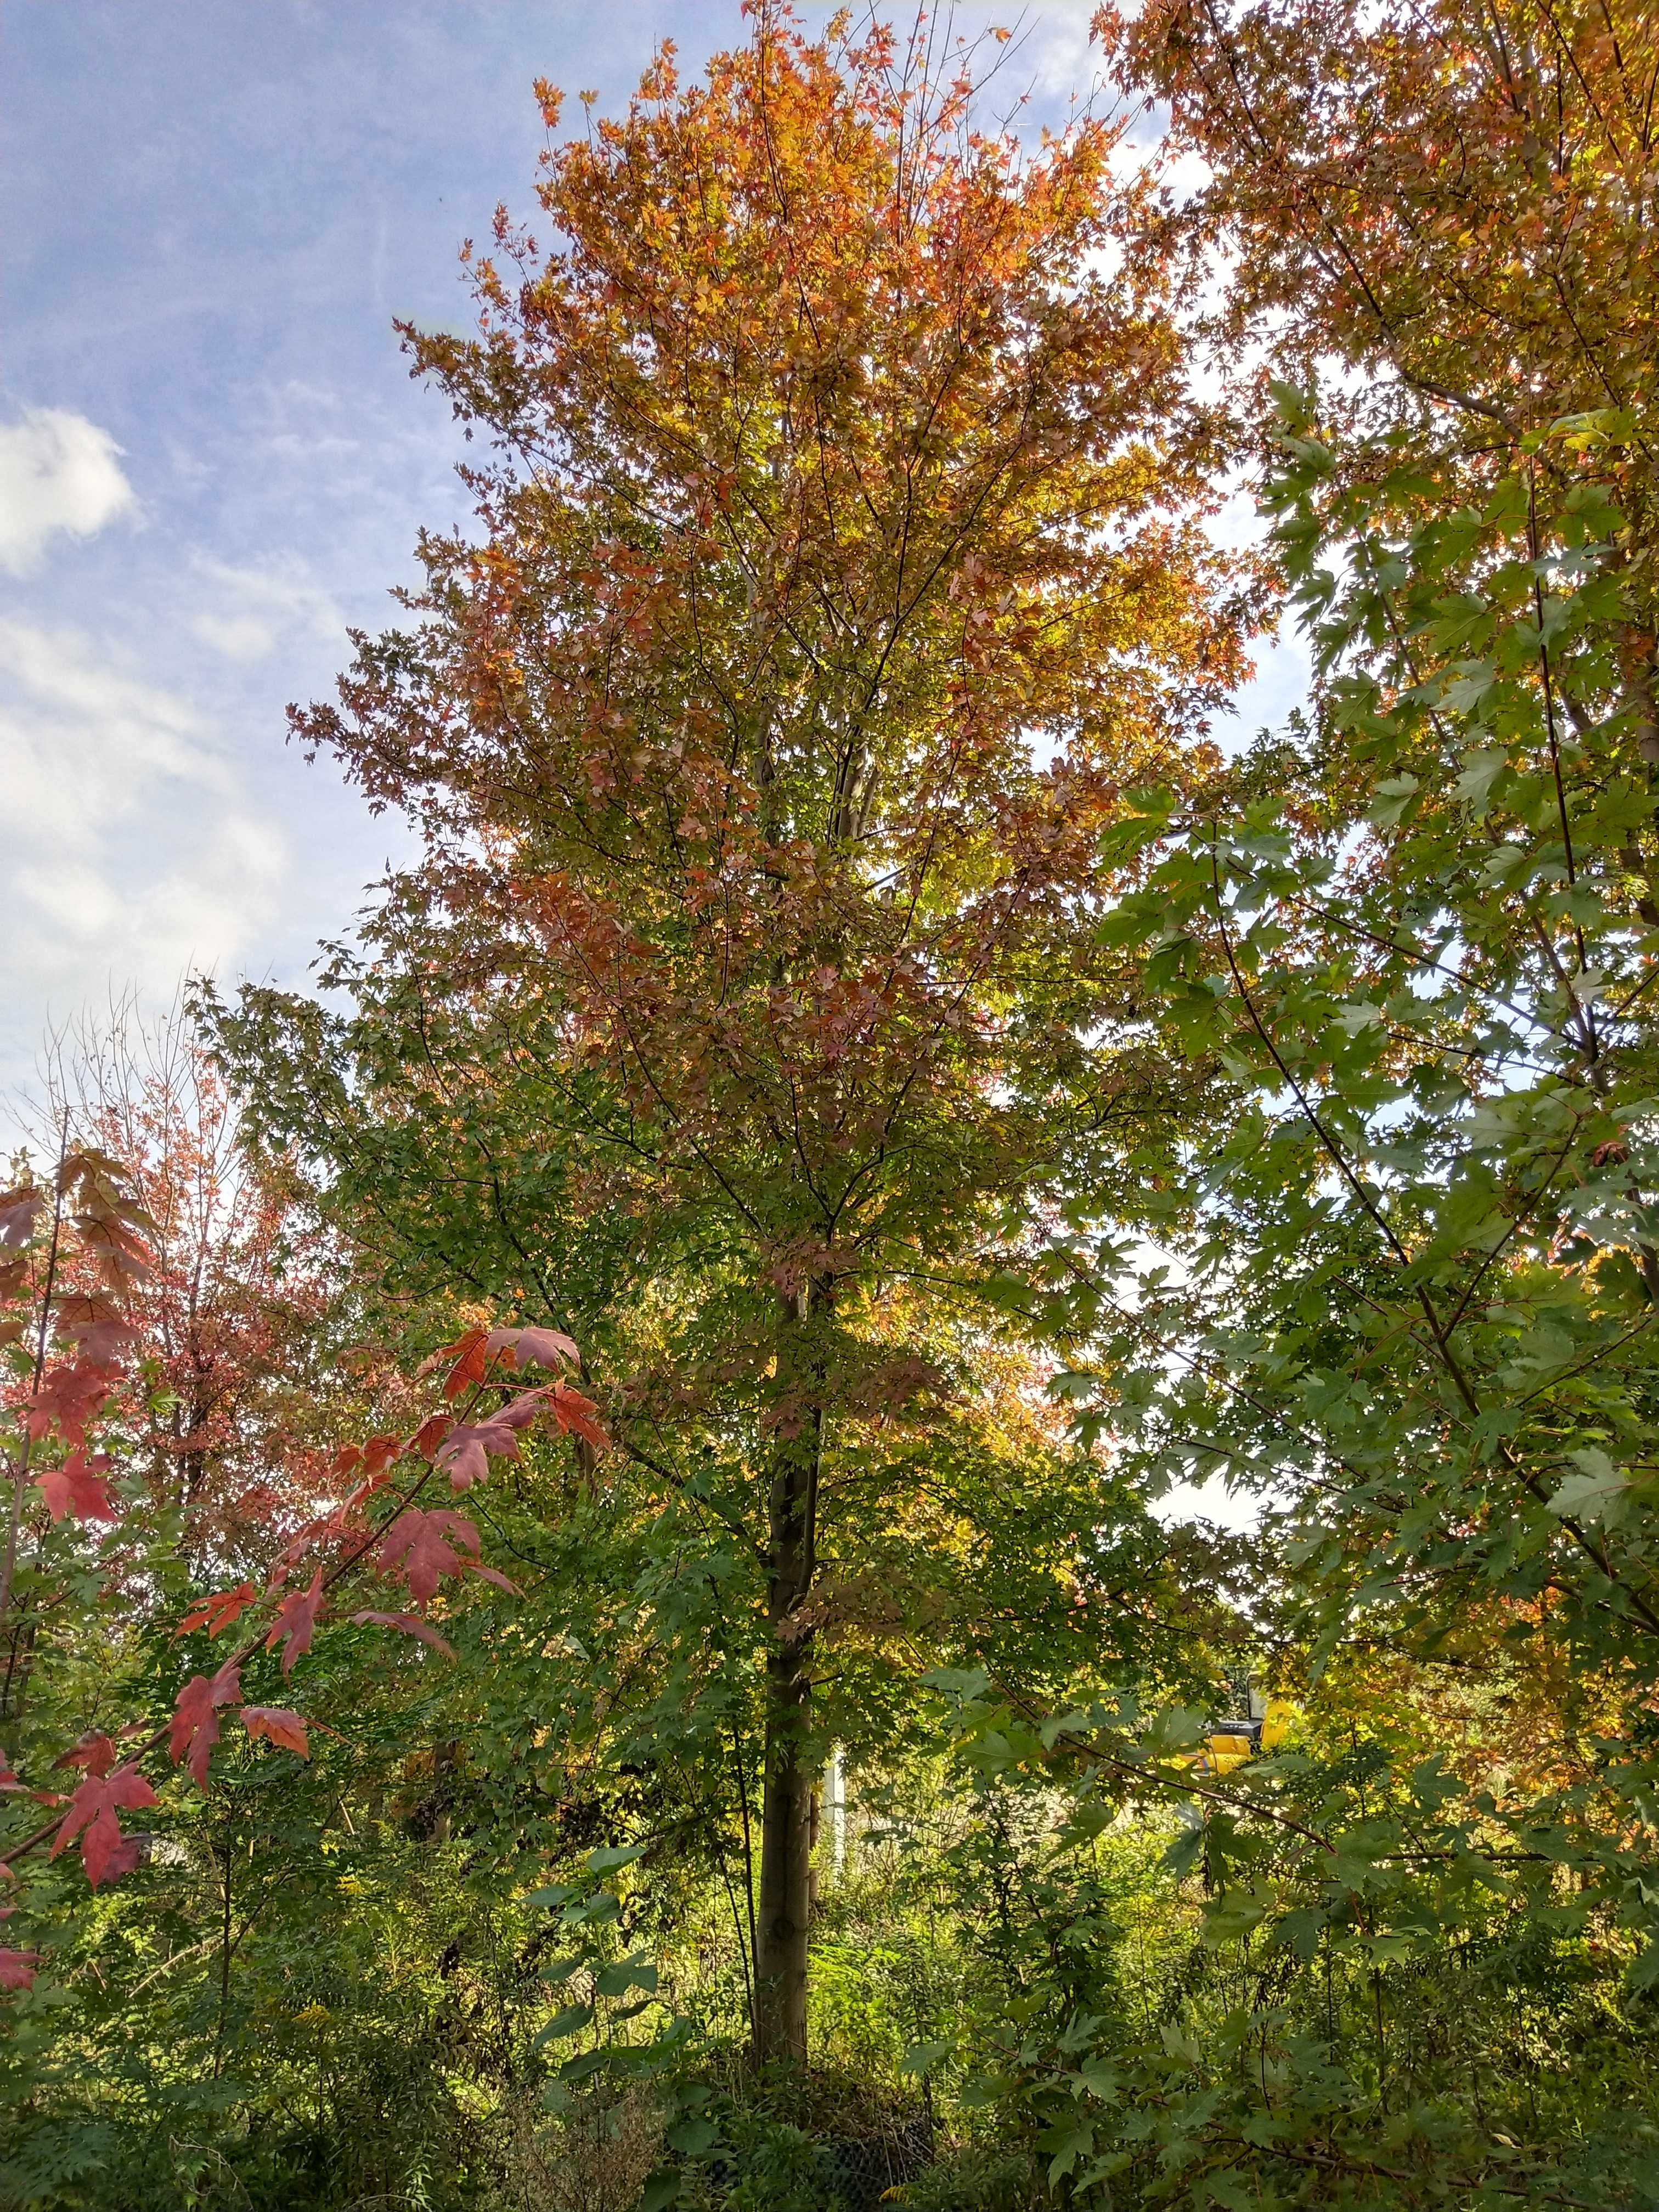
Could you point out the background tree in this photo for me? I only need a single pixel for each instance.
(1414, 1300)
(1442, 227)
(242, 1307)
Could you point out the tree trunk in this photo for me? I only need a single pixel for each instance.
(787, 1809)
(786, 1861)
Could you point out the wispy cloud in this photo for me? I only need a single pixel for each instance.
(252, 611)
(136, 850)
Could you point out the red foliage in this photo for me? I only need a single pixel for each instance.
(17, 1968)
(105, 1852)
(19, 1211)
(218, 1299)
(94, 1224)
(578, 1416)
(79, 1486)
(470, 1363)
(95, 1752)
(219, 1612)
(194, 1729)
(295, 1621)
(420, 1549)
(533, 1348)
(410, 1623)
(70, 1396)
(277, 1725)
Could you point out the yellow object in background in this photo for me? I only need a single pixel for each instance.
(1223, 1752)
(1228, 1747)
(1277, 1722)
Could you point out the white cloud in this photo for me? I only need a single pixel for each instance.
(58, 471)
(136, 853)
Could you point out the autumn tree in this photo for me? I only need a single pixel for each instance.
(839, 562)
(243, 1307)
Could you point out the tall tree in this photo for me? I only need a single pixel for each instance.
(841, 560)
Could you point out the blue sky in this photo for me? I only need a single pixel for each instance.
(212, 461)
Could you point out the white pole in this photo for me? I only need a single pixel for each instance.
(834, 1803)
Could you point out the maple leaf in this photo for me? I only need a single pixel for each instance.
(9, 1774)
(121, 1260)
(17, 1968)
(18, 1209)
(95, 1751)
(92, 1325)
(218, 1612)
(466, 1452)
(409, 1624)
(471, 1360)
(303, 1540)
(277, 1725)
(578, 1416)
(463, 1456)
(295, 1621)
(90, 1169)
(430, 1434)
(194, 1729)
(71, 1394)
(104, 1851)
(534, 1348)
(379, 1452)
(419, 1548)
(79, 1487)
(519, 1412)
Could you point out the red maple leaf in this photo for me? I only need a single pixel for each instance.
(417, 1548)
(92, 1325)
(219, 1610)
(463, 1455)
(295, 1621)
(194, 1729)
(410, 1623)
(71, 1394)
(95, 1751)
(17, 1968)
(578, 1416)
(17, 1210)
(80, 1487)
(466, 1452)
(277, 1725)
(534, 1348)
(430, 1434)
(471, 1362)
(104, 1851)
(519, 1412)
